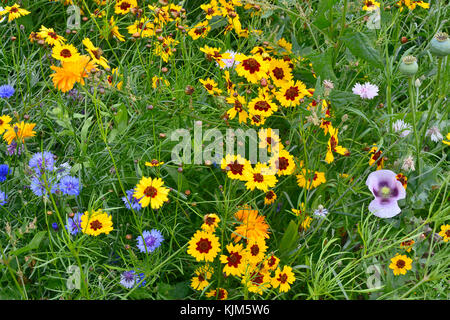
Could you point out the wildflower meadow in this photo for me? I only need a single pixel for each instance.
(224, 150)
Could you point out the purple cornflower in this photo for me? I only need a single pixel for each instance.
(74, 224)
(4, 170)
(12, 149)
(70, 185)
(39, 189)
(130, 199)
(42, 161)
(3, 198)
(365, 91)
(152, 240)
(387, 191)
(128, 279)
(6, 91)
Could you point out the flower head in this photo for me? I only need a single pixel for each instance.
(283, 279)
(6, 91)
(4, 170)
(400, 264)
(40, 187)
(128, 279)
(130, 201)
(42, 161)
(14, 12)
(402, 128)
(445, 232)
(202, 274)
(96, 222)
(151, 192)
(3, 198)
(70, 185)
(435, 134)
(251, 226)
(387, 191)
(74, 223)
(366, 90)
(149, 240)
(204, 246)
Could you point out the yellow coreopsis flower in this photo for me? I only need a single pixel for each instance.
(400, 264)
(4, 123)
(202, 274)
(290, 93)
(211, 86)
(50, 36)
(333, 146)
(283, 279)
(411, 4)
(204, 246)
(236, 166)
(261, 177)
(95, 223)
(370, 5)
(262, 105)
(445, 232)
(314, 180)
(65, 52)
(219, 294)
(201, 29)
(14, 12)
(210, 222)
(151, 192)
(270, 197)
(447, 142)
(238, 103)
(253, 68)
(236, 260)
(95, 53)
(124, 6)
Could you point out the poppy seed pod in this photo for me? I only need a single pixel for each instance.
(409, 65)
(440, 44)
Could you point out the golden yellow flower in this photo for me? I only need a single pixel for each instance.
(19, 131)
(95, 223)
(400, 264)
(253, 68)
(219, 294)
(256, 280)
(151, 191)
(256, 249)
(204, 246)
(65, 52)
(124, 6)
(333, 146)
(370, 5)
(236, 260)
(251, 226)
(4, 123)
(50, 36)
(210, 222)
(95, 53)
(314, 180)
(202, 274)
(211, 86)
(270, 197)
(236, 166)
(290, 93)
(445, 232)
(71, 72)
(14, 12)
(201, 29)
(283, 279)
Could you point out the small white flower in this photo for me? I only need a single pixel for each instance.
(435, 134)
(321, 211)
(408, 164)
(402, 128)
(365, 91)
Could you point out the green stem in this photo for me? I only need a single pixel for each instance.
(415, 124)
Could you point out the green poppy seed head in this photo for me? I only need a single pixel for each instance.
(441, 36)
(409, 59)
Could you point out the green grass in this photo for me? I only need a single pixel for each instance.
(109, 134)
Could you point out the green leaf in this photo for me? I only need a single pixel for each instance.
(289, 240)
(34, 243)
(360, 46)
(342, 98)
(322, 65)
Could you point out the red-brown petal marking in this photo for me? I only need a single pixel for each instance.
(14, 10)
(209, 86)
(400, 264)
(291, 93)
(282, 163)
(53, 35)
(65, 53)
(269, 195)
(254, 250)
(447, 233)
(333, 144)
(234, 259)
(282, 278)
(278, 73)
(257, 279)
(150, 192)
(262, 106)
(210, 220)
(125, 6)
(95, 225)
(204, 245)
(235, 167)
(271, 261)
(258, 177)
(251, 65)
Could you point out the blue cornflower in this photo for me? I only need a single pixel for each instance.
(38, 187)
(152, 240)
(70, 185)
(74, 224)
(4, 170)
(6, 91)
(130, 199)
(3, 198)
(128, 279)
(55, 226)
(42, 161)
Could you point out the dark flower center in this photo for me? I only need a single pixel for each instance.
(258, 177)
(278, 73)
(210, 221)
(204, 245)
(234, 259)
(282, 278)
(282, 163)
(150, 192)
(291, 93)
(400, 264)
(262, 106)
(66, 53)
(95, 225)
(254, 250)
(251, 65)
(125, 6)
(209, 86)
(269, 195)
(235, 167)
